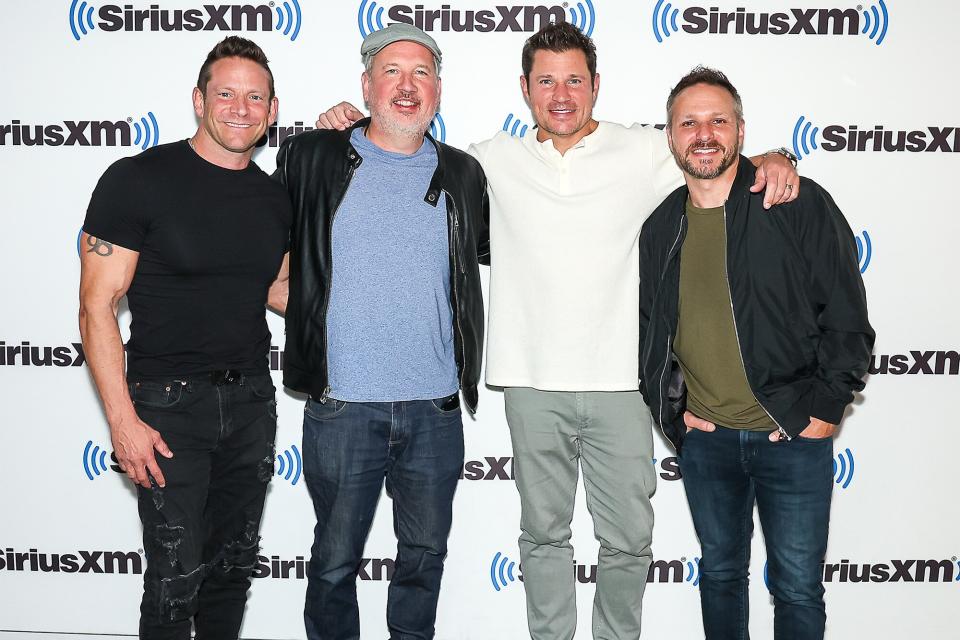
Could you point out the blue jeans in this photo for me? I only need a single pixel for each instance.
(724, 473)
(349, 448)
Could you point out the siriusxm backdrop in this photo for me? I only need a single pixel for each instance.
(863, 93)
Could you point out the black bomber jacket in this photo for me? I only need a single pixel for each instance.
(316, 168)
(799, 306)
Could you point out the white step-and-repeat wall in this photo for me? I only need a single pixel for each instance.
(865, 94)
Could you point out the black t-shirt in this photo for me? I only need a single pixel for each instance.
(211, 241)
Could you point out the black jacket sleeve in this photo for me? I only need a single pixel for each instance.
(837, 291)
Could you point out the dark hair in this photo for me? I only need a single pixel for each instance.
(559, 37)
(704, 75)
(233, 47)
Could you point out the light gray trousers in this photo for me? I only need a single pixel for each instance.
(608, 434)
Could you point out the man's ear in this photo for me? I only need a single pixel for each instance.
(198, 102)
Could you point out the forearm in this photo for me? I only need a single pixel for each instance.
(103, 348)
(277, 301)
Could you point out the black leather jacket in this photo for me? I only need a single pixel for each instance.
(799, 306)
(316, 167)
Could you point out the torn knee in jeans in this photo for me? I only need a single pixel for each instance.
(241, 554)
(169, 538)
(265, 466)
(178, 595)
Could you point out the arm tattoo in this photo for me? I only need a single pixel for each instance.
(99, 247)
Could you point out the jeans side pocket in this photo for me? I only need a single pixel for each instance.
(156, 395)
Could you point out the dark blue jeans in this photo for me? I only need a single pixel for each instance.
(201, 531)
(349, 448)
(724, 473)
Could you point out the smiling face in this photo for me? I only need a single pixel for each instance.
(561, 94)
(402, 90)
(237, 107)
(705, 132)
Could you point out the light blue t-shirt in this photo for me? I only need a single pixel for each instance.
(389, 321)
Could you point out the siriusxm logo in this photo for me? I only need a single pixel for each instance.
(668, 19)
(211, 17)
(837, 137)
(843, 466)
(130, 562)
(514, 126)
(693, 572)
(372, 569)
(937, 363)
(276, 133)
(893, 571)
(95, 461)
(143, 132)
(290, 465)
(502, 572)
(27, 355)
(489, 468)
(438, 128)
(669, 468)
(864, 250)
(526, 18)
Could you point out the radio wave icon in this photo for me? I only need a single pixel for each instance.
(290, 465)
(501, 571)
(875, 21)
(438, 128)
(664, 20)
(804, 137)
(693, 571)
(864, 250)
(843, 467)
(957, 579)
(148, 131)
(94, 460)
(369, 17)
(584, 17)
(517, 128)
(81, 18)
(289, 19)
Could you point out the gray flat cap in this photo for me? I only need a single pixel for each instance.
(396, 32)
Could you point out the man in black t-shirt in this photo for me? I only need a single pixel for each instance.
(193, 234)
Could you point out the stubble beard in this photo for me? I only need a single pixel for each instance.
(688, 162)
(396, 125)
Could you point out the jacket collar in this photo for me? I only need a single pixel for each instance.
(432, 196)
(746, 174)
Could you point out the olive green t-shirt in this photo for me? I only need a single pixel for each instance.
(706, 344)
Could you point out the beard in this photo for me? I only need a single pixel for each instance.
(689, 164)
(395, 124)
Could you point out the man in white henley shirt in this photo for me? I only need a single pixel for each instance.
(566, 207)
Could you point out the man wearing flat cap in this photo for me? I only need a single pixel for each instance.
(384, 331)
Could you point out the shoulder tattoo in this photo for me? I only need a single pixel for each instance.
(99, 247)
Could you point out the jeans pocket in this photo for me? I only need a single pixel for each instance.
(808, 439)
(324, 410)
(448, 404)
(156, 394)
(261, 386)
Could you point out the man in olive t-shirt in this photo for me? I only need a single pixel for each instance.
(765, 314)
(706, 344)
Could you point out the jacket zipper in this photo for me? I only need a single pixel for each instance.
(457, 262)
(326, 302)
(666, 363)
(736, 332)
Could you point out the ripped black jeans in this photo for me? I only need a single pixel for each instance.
(201, 531)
